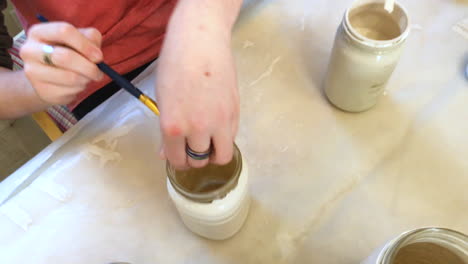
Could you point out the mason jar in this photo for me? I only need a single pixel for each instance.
(424, 245)
(366, 50)
(213, 201)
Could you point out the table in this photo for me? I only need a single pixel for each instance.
(327, 186)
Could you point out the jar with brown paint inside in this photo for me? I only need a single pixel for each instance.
(425, 245)
(367, 48)
(213, 201)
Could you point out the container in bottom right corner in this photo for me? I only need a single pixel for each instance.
(366, 50)
(423, 246)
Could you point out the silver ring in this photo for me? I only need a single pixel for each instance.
(47, 51)
(198, 155)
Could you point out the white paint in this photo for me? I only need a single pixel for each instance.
(267, 73)
(303, 24)
(112, 135)
(286, 245)
(248, 44)
(104, 155)
(416, 27)
(103, 146)
(284, 149)
(16, 215)
(389, 5)
(50, 187)
(219, 219)
(461, 28)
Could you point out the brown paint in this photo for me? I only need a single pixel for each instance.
(373, 22)
(426, 253)
(206, 179)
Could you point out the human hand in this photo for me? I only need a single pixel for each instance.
(74, 57)
(197, 94)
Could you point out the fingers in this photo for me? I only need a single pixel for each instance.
(67, 35)
(235, 123)
(199, 137)
(174, 144)
(73, 57)
(222, 146)
(63, 58)
(175, 152)
(199, 142)
(72, 61)
(42, 73)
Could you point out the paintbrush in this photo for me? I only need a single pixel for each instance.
(121, 81)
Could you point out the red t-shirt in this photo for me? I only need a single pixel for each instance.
(133, 30)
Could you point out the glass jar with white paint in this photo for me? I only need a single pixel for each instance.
(367, 48)
(423, 245)
(214, 201)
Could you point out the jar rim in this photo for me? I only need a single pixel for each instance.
(215, 194)
(427, 232)
(368, 42)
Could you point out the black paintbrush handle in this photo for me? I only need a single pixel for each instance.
(42, 18)
(118, 79)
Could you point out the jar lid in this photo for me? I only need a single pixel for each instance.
(209, 183)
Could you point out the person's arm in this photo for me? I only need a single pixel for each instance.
(196, 82)
(39, 85)
(19, 99)
(17, 96)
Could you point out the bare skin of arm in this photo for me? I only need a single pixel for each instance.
(39, 85)
(17, 96)
(196, 82)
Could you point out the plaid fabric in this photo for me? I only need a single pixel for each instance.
(61, 115)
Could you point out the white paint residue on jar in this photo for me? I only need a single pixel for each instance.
(219, 219)
(367, 47)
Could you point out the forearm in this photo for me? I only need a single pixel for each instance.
(17, 96)
(194, 19)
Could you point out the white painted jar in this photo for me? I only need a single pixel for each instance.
(453, 241)
(367, 48)
(214, 207)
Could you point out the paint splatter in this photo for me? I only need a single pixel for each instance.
(303, 20)
(267, 73)
(16, 215)
(461, 28)
(55, 190)
(104, 155)
(248, 44)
